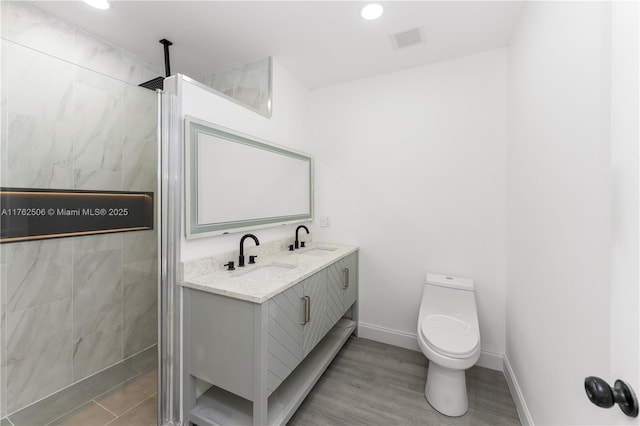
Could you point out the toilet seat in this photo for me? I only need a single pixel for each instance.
(449, 336)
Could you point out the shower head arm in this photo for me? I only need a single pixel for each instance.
(167, 66)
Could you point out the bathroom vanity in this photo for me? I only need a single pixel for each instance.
(262, 335)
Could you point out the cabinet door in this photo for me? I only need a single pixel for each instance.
(284, 343)
(350, 263)
(315, 327)
(342, 287)
(297, 322)
(335, 293)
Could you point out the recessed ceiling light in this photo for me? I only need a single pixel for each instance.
(371, 11)
(98, 4)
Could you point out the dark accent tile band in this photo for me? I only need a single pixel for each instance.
(34, 214)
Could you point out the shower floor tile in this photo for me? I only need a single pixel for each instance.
(126, 396)
(88, 414)
(125, 389)
(144, 414)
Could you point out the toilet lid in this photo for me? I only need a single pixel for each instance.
(449, 336)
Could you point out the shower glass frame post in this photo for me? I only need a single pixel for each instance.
(169, 218)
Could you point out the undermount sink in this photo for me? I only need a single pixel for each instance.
(317, 252)
(267, 272)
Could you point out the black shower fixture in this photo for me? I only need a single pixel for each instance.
(158, 82)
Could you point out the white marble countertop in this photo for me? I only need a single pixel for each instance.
(234, 284)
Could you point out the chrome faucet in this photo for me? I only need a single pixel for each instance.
(251, 258)
(297, 243)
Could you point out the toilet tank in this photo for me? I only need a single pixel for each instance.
(450, 282)
(450, 296)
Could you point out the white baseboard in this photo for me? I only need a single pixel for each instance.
(389, 336)
(491, 360)
(516, 394)
(401, 339)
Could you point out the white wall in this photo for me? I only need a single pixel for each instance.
(288, 126)
(625, 134)
(411, 167)
(559, 209)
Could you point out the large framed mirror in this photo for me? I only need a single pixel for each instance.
(236, 182)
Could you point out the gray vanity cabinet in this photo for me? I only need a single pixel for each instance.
(342, 287)
(262, 359)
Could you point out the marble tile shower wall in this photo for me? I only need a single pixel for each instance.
(248, 84)
(72, 118)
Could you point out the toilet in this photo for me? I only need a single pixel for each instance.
(449, 336)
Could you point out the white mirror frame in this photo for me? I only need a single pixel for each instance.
(234, 192)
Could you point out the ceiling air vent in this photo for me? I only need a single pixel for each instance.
(407, 38)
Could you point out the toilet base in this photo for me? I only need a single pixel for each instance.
(446, 390)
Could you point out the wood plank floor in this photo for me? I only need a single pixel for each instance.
(372, 383)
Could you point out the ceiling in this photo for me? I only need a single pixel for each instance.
(321, 43)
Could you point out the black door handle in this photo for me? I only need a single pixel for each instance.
(601, 394)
